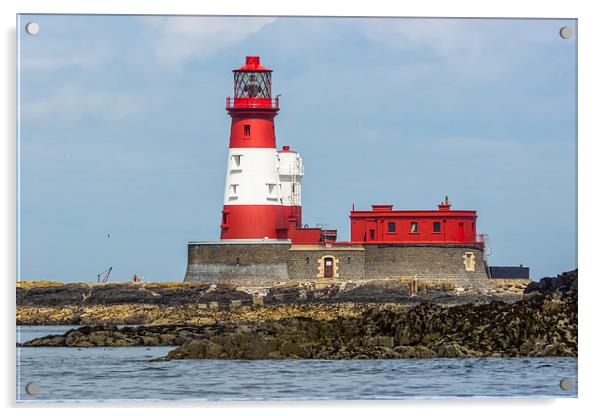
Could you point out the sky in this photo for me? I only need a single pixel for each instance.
(123, 135)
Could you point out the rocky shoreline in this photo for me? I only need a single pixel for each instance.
(543, 323)
(53, 303)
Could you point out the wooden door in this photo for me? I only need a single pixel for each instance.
(328, 267)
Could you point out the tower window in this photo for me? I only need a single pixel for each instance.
(273, 192)
(225, 218)
(414, 227)
(247, 130)
(437, 227)
(391, 227)
(236, 161)
(233, 191)
(306, 260)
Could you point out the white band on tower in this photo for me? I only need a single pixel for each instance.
(252, 177)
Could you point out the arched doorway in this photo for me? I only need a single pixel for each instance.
(328, 267)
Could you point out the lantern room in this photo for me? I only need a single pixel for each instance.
(252, 86)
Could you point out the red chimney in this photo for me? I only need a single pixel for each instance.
(444, 206)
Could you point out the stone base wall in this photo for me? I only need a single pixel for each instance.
(454, 262)
(253, 263)
(272, 262)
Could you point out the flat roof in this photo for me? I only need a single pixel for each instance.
(321, 247)
(426, 213)
(242, 241)
(509, 272)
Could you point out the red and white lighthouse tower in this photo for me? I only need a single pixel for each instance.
(253, 201)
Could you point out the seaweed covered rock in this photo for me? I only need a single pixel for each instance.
(564, 284)
(166, 294)
(543, 324)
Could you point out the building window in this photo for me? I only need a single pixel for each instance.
(348, 260)
(238, 261)
(371, 234)
(391, 227)
(437, 227)
(306, 260)
(247, 130)
(224, 218)
(414, 227)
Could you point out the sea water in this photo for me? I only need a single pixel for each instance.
(128, 374)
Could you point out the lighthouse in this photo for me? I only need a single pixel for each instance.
(253, 199)
(264, 240)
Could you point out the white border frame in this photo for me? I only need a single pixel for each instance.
(590, 199)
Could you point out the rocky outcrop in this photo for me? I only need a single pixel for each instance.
(177, 294)
(564, 284)
(112, 336)
(165, 294)
(194, 314)
(543, 324)
(53, 303)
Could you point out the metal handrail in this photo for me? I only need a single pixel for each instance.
(244, 102)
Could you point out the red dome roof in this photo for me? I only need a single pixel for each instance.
(252, 64)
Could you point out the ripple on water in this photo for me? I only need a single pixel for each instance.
(127, 374)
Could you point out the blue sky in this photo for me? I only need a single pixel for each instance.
(123, 131)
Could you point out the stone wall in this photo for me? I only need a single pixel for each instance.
(270, 262)
(457, 262)
(306, 262)
(253, 263)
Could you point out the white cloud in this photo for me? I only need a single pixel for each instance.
(448, 37)
(169, 42)
(181, 37)
(75, 103)
(475, 51)
(84, 59)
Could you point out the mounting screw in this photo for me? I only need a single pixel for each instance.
(566, 384)
(566, 32)
(32, 28)
(32, 389)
